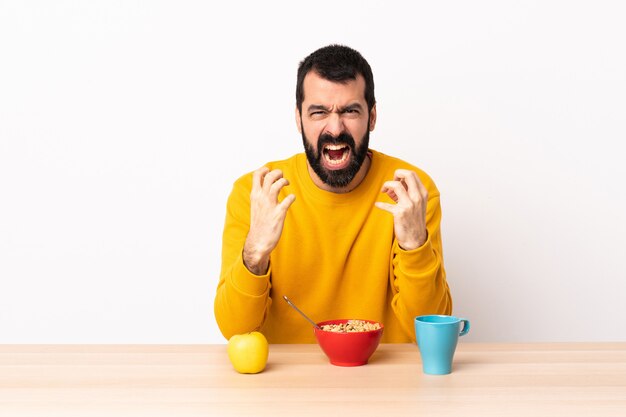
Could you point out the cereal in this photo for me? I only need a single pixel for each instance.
(351, 326)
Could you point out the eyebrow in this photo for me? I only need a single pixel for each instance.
(354, 106)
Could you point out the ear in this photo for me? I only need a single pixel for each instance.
(298, 120)
(372, 118)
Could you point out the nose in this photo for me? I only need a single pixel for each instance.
(334, 126)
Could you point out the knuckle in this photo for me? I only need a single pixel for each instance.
(274, 177)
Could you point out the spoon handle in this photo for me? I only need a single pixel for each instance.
(301, 313)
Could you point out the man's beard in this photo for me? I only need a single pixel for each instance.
(341, 177)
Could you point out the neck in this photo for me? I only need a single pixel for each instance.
(358, 178)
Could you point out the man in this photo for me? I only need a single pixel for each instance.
(344, 231)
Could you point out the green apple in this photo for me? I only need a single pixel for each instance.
(248, 352)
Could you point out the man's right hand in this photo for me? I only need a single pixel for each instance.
(267, 217)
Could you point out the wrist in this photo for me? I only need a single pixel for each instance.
(256, 262)
(414, 243)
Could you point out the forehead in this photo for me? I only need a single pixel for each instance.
(318, 90)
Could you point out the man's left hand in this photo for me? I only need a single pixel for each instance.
(409, 212)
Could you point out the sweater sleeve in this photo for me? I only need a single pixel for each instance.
(418, 277)
(242, 298)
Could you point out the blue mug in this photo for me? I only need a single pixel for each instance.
(437, 337)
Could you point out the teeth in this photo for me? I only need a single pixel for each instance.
(334, 147)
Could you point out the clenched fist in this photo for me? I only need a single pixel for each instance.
(409, 212)
(267, 217)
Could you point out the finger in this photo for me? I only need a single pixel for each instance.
(422, 189)
(420, 185)
(385, 206)
(257, 177)
(287, 202)
(410, 180)
(390, 193)
(277, 186)
(271, 178)
(395, 187)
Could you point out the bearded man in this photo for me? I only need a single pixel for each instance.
(343, 230)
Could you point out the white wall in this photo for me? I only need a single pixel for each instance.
(124, 124)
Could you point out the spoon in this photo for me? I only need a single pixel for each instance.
(303, 315)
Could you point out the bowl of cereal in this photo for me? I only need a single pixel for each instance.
(348, 342)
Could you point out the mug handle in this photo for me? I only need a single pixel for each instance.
(466, 327)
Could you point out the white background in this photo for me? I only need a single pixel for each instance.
(123, 125)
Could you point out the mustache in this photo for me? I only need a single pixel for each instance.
(342, 138)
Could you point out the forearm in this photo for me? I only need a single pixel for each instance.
(419, 283)
(242, 300)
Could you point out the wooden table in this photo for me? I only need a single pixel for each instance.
(197, 380)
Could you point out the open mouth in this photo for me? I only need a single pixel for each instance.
(336, 156)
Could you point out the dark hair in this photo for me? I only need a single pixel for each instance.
(337, 63)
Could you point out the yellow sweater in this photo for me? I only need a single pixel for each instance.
(337, 258)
